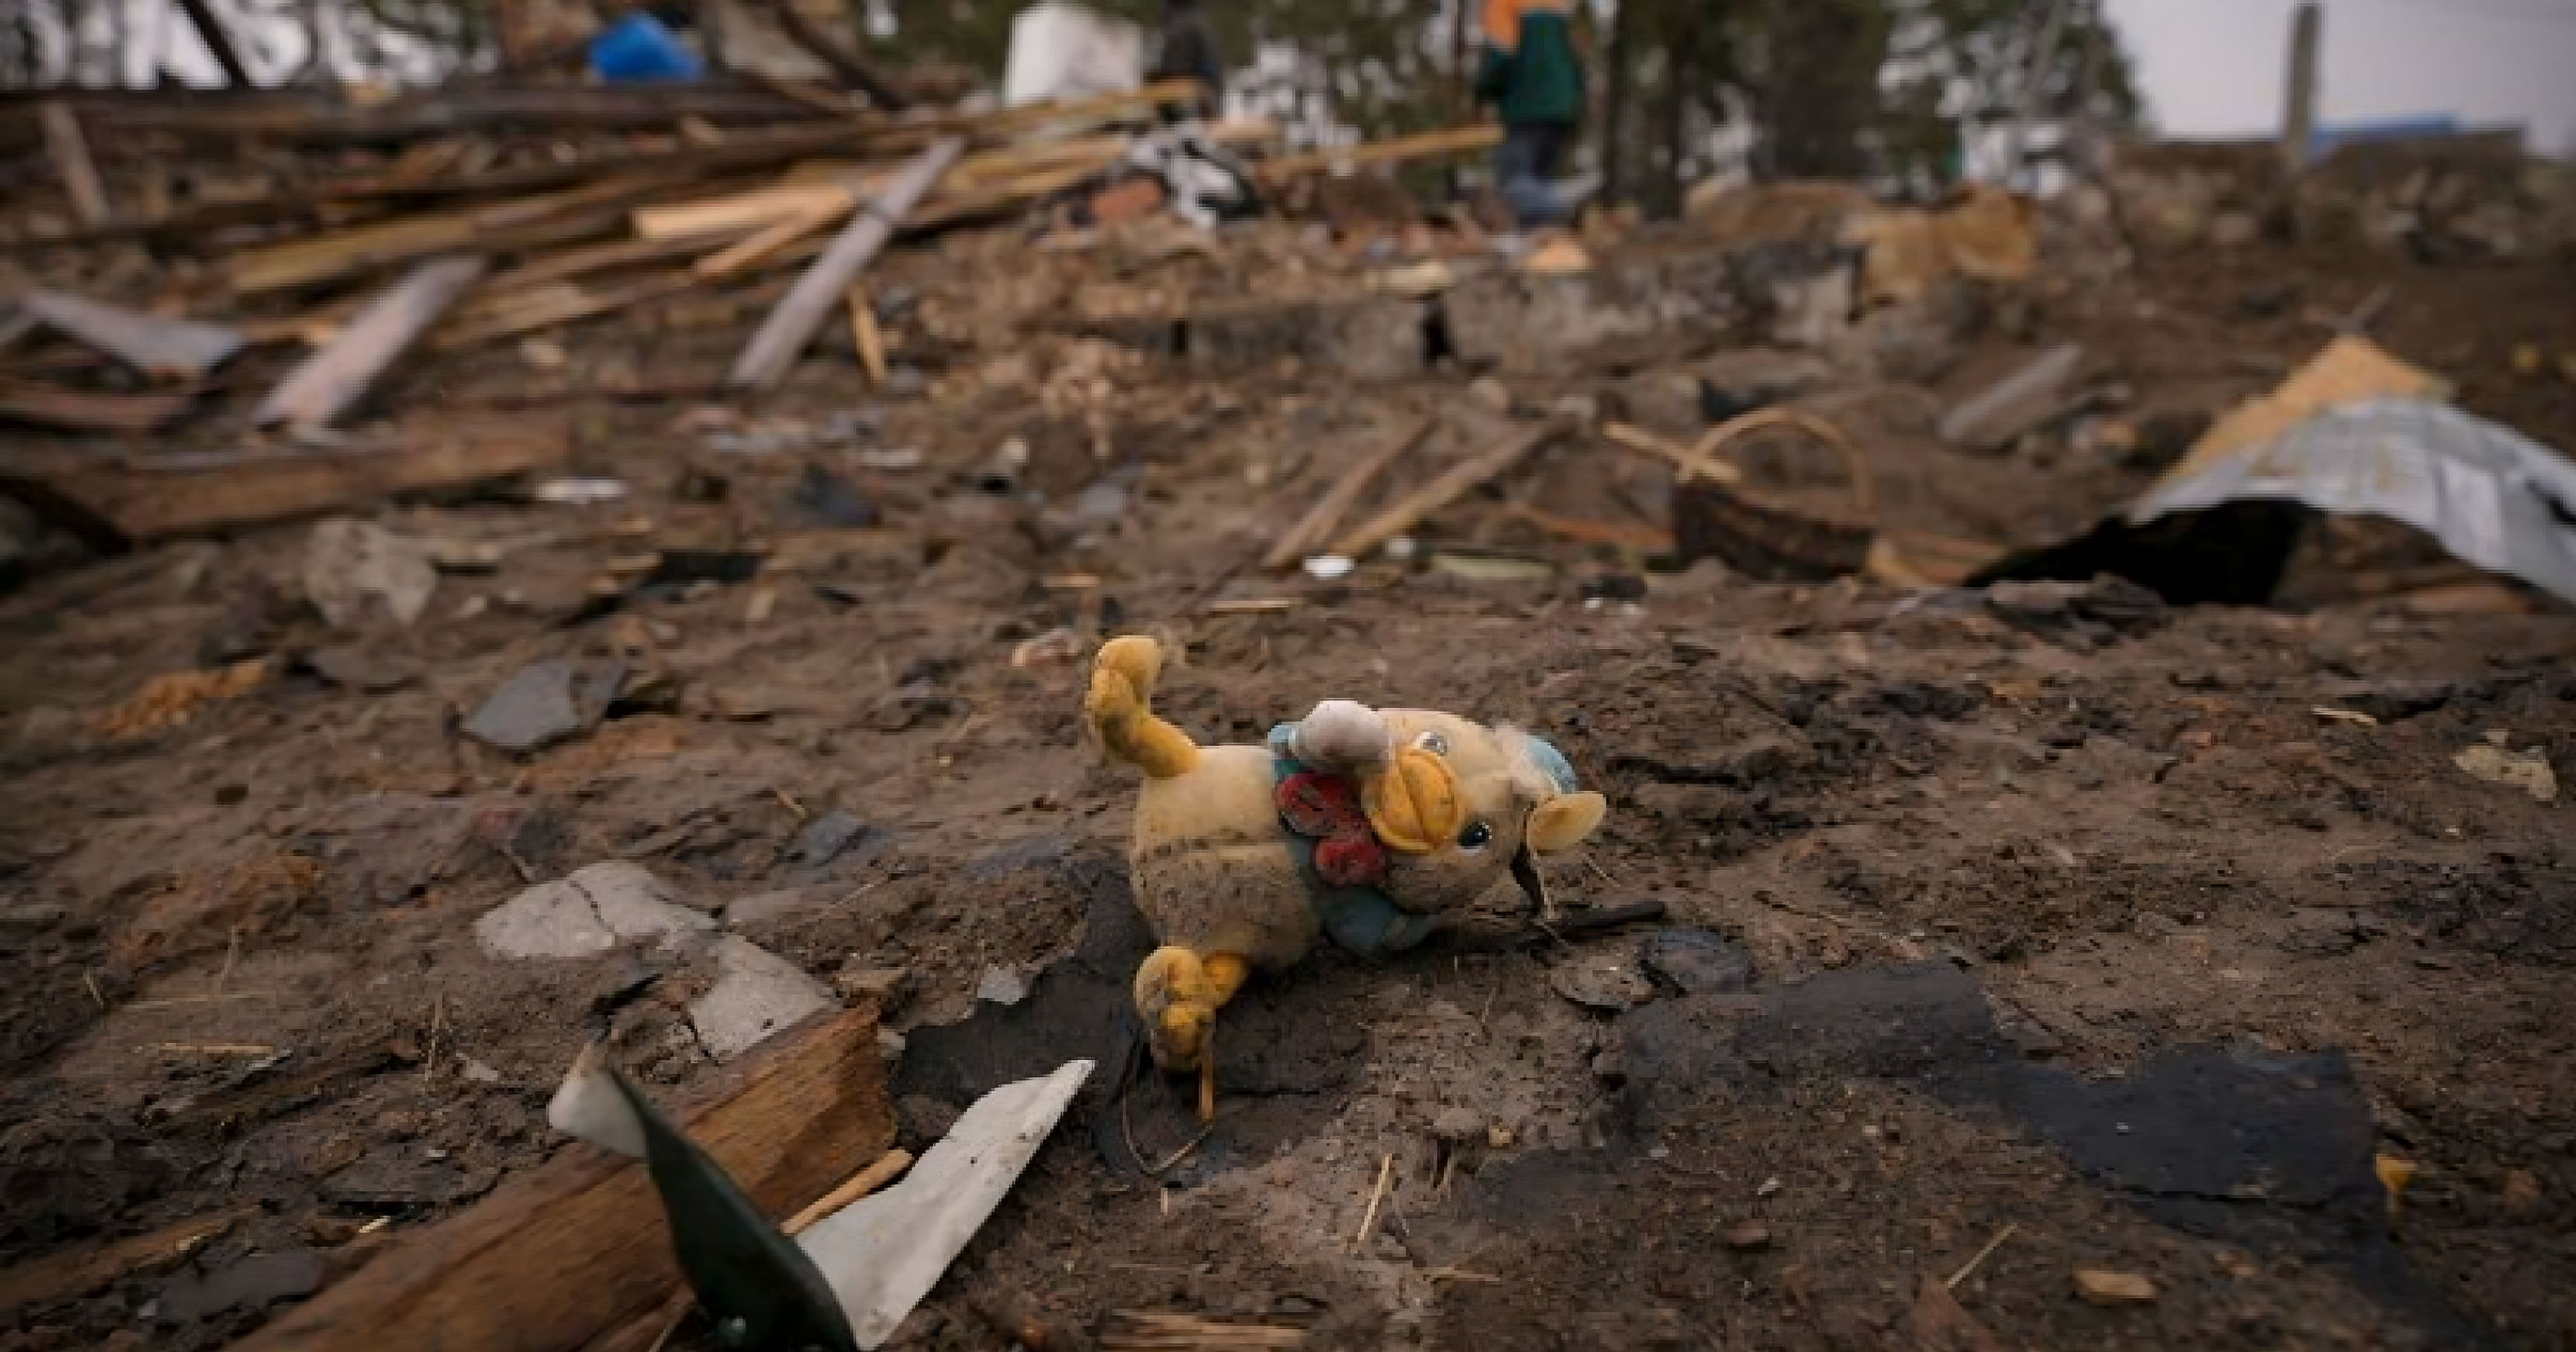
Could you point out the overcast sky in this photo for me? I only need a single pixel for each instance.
(2214, 67)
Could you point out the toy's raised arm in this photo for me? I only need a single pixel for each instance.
(1341, 737)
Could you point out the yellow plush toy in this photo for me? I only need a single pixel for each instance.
(1365, 825)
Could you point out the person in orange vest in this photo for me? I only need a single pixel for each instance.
(1532, 75)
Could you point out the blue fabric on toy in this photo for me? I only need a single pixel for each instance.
(1552, 762)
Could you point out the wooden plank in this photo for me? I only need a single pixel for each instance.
(385, 243)
(864, 332)
(742, 253)
(1461, 478)
(753, 210)
(1328, 511)
(774, 348)
(70, 152)
(153, 344)
(1343, 159)
(89, 411)
(571, 305)
(579, 1246)
(132, 501)
(325, 384)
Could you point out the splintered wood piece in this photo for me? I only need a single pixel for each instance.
(325, 384)
(70, 151)
(864, 331)
(578, 1246)
(88, 411)
(742, 253)
(774, 348)
(1461, 479)
(1328, 511)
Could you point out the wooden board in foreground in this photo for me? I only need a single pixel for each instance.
(111, 501)
(579, 1244)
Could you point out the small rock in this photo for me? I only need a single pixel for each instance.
(2102, 1287)
(1492, 393)
(592, 911)
(1604, 983)
(1458, 1124)
(1002, 986)
(1696, 962)
(253, 1283)
(756, 993)
(355, 572)
(1748, 1235)
(1499, 1137)
(1582, 410)
(828, 499)
(480, 1073)
(1055, 645)
(2525, 770)
(544, 703)
(890, 1044)
(823, 838)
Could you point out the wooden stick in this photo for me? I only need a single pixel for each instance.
(864, 331)
(1633, 438)
(70, 151)
(1454, 141)
(1440, 492)
(1368, 1222)
(328, 382)
(1328, 511)
(789, 327)
(1972, 1264)
(742, 253)
(858, 1185)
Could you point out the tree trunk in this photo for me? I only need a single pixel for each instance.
(1618, 90)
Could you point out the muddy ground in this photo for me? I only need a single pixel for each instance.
(2064, 911)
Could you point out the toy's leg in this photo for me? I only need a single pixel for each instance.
(1179, 992)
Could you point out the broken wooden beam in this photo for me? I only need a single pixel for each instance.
(789, 327)
(1344, 159)
(1460, 479)
(59, 1278)
(88, 410)
(112, 502)
(1328, 511)
(156, 345)
(578, 1246)
(328, 382)
(70, 152)
(864, 332)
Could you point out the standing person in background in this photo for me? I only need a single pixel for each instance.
(1533, 76)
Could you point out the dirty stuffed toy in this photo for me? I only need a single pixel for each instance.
(1367, 825)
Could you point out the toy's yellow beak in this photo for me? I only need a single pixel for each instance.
(1414, 804)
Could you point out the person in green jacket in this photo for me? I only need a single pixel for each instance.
(1534, 78)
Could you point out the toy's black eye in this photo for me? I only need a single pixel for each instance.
(1433, 742)
(1476, 837)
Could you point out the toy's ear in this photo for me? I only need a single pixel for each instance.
(1563, 821)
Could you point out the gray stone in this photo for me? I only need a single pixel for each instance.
(756, 994)
(590, 912)
(252, 1283)
(823, 838)
(356, 573)
(1002, 986)
(545, 703)
(1696, 962)
(785, 903)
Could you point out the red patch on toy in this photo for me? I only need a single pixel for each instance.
(1326, 809)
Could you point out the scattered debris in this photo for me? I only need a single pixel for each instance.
(756, 994)
(2099, 1286)
(317, 392)
(170, 700)
(1696, 962)
(1606, 983)
(544, 703)
(2528, 771)
(591, 911)
(1002, 986)
(355, 572)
